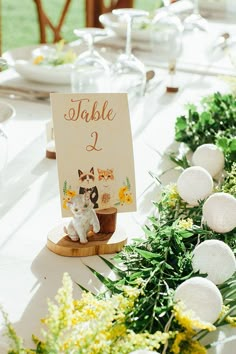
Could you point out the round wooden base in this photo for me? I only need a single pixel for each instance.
(101, 243)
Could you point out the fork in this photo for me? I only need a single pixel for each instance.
(23, 93)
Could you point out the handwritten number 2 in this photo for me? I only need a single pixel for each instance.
(93, 147)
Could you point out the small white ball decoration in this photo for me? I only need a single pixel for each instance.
(219, 212)
(210, 157)
(202, 297)
(194, 184)
(215, 258)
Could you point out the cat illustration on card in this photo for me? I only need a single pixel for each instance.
(87, 184)
(106, 187)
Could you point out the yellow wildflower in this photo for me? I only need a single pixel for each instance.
(131, 292)
(231, 320)
(179, 338)
(171, 195)
(183, 344)
(188, 320)
(185, 223)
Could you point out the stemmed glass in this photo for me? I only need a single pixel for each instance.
(90, 72)
(195, 20)
(4, 152)
(3, 136)
(128, 72)
(166, 40)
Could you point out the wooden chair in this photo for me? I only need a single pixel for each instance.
(94, 8)
(45, 22)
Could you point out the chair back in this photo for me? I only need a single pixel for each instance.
(95, 8)
(45, 22)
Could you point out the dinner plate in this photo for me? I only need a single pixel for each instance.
(45, 74)
(6, 111)
(21, 60)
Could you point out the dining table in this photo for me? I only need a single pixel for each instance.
(30, 273)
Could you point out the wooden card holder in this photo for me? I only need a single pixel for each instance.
(110, 239)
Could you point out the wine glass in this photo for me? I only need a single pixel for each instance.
(128, 72)
(195, 20)
(90, 72)
(4, 152)
(166, 41)
(3, 137)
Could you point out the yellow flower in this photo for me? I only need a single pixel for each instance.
(37, 60)
(185, 223)
(128, 198)
(183, 344)
(171, 195)
(188, 320)
(179, 338)
(231, 320)
(131, 292)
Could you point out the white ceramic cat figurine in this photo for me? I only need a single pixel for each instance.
(84, 216)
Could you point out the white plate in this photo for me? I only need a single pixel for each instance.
(118, 26)
(46, 74)
(6, 111)
(21, 60)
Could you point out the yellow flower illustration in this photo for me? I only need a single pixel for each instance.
(68, 195)
(124, 194)
(128, 198)
(122, 191)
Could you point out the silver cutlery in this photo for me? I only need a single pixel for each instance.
(24, 93)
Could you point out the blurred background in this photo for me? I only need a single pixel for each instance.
(19, 25)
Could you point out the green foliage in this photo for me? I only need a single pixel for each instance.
(162, 260)
(215, 123)
(65, 187)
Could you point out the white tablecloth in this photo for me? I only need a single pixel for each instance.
(30, 206)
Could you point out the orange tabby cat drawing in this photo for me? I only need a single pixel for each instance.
(106, 186)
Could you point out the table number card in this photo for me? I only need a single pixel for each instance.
(94, 149)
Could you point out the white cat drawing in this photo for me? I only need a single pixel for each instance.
(84, 216)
